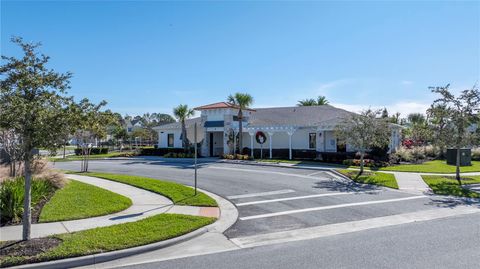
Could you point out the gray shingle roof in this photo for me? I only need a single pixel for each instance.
(304, 116)
(297, 116)
(178, 125)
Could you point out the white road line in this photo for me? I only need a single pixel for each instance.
(296, 198)
(351, 226)
(263, 172)
(330, 207)
(248, 195)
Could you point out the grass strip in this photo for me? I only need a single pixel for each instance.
(121, 236)
(91, 157)
(178, 193)
(443, 185)
(368, 177)
(78, 200)
(436, 166)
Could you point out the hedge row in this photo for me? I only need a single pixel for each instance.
(93, 151)
(159, 151)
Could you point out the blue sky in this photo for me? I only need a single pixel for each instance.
(151, 56)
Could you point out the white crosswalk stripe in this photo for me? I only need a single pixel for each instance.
(297, 198)
(248, 195)
(303, 210)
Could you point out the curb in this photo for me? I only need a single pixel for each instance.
(253, 163)
(228, 217)
(108, 256)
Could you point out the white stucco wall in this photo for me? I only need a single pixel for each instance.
(163, 138)
(300, 139)
(330, 141)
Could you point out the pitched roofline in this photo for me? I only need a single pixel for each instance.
(227, 104)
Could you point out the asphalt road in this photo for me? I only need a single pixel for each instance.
(447, 243)
(273, 200)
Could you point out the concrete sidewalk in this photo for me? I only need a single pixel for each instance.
(411, 182)
(144, 204)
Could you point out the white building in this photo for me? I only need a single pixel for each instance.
(289, 131)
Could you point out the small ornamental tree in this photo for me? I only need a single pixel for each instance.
(364, 131)
(459, 112)
(439, 124)
(91, 124)
(32, 103)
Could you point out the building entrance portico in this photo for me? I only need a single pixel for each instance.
(214, 141)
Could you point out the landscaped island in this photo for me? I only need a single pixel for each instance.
(60, 199)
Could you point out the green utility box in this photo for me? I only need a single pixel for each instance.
(465, 157)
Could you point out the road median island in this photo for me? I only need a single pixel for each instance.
(178, 193)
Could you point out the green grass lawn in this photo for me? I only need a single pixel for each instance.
(79, 200)
(178, 193)
(449, 185)
(116, 237)
(92, 157)
(368, 177)
(437, 166)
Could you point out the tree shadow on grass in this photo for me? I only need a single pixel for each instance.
(347, 186)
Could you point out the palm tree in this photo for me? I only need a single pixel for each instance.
(182, 112)
(242, 100)
(321, 100)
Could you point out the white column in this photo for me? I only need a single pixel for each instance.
(290, 133)
(270, 134)
(251, 133)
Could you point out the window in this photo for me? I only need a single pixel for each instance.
(312, 140)
(170, 140)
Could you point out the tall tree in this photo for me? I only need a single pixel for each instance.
(384, 113)
(461, 112)
(182, 112)
(364, 131)
(321, 100)
(416, 118)
(32, 103)
(242, 101)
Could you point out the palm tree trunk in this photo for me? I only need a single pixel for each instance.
(184, 137)
(240, 131)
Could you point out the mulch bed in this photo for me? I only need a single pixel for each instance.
(29, 248)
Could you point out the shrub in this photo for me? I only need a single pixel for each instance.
(12, 195)
(159, 151)
(432, 151)
(367, 163)
(179, 155)
(402, 154)
(236, 157)
(418, 153)
(476, 154)
(93, 151)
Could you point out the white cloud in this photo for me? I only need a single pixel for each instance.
(404, 108)
(324, 87)
(407, 82)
